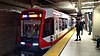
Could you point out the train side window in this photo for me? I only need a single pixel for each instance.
(48, 27)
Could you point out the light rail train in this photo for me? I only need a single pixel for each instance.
(42, 27)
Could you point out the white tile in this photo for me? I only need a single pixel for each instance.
(85, 47)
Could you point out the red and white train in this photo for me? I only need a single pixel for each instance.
(42, 27)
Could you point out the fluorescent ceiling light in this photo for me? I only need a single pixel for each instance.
(16, 11)
(88, 7)
(76, 9)
(35, 6)
(73, 14)
(87, 10)
(90, 2)
(63, 15)
(66, 5)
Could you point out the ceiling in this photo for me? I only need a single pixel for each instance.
(66, 6)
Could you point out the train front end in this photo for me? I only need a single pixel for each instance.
(30, 29)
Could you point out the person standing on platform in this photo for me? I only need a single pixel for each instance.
(78, 27)
(90, 27)
(82, 26)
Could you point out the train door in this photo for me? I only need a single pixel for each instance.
(56, 27)
(57, 15)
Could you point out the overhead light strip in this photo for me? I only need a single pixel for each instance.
(88, 7)
(90, 2)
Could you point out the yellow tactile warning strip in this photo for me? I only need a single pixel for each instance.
(57, 48)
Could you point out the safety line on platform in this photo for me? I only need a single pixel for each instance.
(56, 50)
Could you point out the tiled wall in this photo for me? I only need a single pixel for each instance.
(9, 22)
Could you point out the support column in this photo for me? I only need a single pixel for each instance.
(79, 14)
(79, 5)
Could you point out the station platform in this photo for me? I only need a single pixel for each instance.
(68, 47)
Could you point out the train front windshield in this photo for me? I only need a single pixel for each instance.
(30, 28)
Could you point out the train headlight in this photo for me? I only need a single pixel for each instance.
(23, 43)
(35, 44)
(24, 16)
